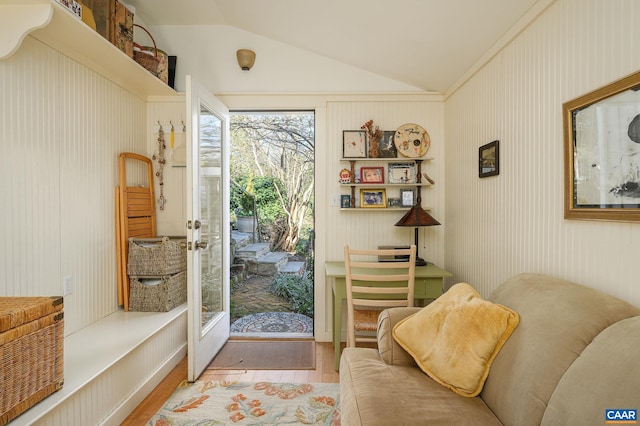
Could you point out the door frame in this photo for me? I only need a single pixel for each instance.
(203, 343)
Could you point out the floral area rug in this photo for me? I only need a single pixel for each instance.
(208, 403)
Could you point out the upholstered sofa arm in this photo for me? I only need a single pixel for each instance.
(390, 351)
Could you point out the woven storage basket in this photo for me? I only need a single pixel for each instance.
(157, 256)
(150, 62)
(159, 294)
(31, 352)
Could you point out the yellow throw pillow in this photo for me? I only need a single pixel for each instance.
(456, 337)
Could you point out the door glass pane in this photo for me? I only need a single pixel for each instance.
(211, 217)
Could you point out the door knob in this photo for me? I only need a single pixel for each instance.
(197, 224)
(201, 244)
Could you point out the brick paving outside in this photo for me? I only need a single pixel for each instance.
(252, 296)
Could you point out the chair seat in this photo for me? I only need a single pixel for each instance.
(365, 320)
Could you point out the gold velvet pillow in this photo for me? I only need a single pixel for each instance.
(456, 337)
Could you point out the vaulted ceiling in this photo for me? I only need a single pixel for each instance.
(428, 44)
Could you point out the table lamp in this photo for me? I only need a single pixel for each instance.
(416, 217)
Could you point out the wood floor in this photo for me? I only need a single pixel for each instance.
(323, 373)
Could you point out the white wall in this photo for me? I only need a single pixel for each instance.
(61, 130)
(503, 225)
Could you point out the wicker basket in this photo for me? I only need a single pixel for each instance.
(31, 352)
(159, 294)
(157, 256)
(150, 62)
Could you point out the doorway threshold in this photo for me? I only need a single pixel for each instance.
(271, 336)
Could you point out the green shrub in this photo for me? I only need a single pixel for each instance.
(297, 290)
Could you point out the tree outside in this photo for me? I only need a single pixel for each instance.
(272, 161)
(272, 157)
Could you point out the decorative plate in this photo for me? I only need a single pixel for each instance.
(412, 140)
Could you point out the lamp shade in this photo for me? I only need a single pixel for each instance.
(246, 58)
(417, 216)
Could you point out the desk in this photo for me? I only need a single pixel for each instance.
(428, 285)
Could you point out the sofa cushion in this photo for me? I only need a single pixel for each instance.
(373, 393)
(558, 319)
(455, 338)
(390, 351)
(606, 375)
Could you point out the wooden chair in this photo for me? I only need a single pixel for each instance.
(373, 285)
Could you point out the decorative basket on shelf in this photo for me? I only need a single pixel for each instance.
(151, 58)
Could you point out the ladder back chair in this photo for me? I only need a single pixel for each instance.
(374, 285)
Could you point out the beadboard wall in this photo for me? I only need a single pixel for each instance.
(58, 176)
(511, 223)
(61, 130)
(366, 227)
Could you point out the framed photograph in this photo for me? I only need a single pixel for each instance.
(489, 159)
(372, 198)
(408, 197)
(602, 153)
(402, 172)
(387, 146)
(372, 175)
(394, 202)
(345, 201)
(354, 144)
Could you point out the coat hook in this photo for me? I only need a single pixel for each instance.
(184, 127)
(160, 125)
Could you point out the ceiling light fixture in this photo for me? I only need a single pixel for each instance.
(246, 58)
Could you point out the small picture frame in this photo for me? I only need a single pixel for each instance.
(394, 202)
(354, 144)
(402, 173)
(372, 175)
(489, 160)
(408, 197)
(387, 146)
(373, 198)
(345, 201)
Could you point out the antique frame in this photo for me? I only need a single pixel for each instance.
(602, 153)
(408, 197)
(402, 172)
(373, 198)
(345, 201)
(489, 159)
(372, 175)
(354, 144)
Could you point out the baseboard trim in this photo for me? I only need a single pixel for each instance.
(120, 413)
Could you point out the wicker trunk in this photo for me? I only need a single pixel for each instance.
(31, 352)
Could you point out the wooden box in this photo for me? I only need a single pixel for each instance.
(31, 352)
(113, 22)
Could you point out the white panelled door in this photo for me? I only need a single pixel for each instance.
(207, 226)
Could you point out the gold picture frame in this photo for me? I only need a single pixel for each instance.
(373, 198)
(602, 153)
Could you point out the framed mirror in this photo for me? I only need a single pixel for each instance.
(602, 153)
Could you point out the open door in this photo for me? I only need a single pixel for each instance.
(207, 227)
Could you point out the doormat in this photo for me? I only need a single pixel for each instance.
(266, 355)
(261, 403)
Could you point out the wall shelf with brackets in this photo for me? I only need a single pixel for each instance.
(418, 183)
(58, 28)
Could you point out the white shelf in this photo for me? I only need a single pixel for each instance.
(70, 36)
(385, 185)
(93, 350)
(379, 209)
(389, 160)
